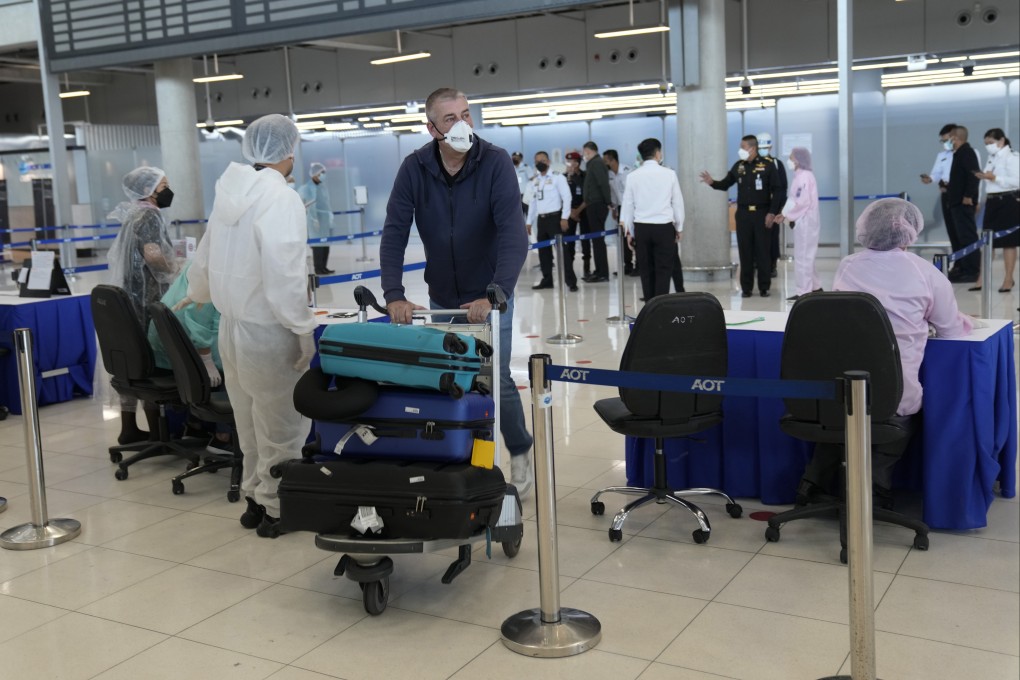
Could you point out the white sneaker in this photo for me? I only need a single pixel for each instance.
(521, 474)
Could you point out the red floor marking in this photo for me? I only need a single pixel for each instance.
(522, 387)
(762, 515)
(582, 320)
(531, 336)
(583, 361)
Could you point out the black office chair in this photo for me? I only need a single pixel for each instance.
(196, 392)
(678, 334)
(826, 335)
(128, 358)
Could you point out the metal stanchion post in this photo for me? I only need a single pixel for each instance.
(783, 255)
(177, 229)
(987, 255)
(564, 337)
(364, 254)
(313, 285)
(621, 318)
(859, 539)
(41, 532)
(941, 262)
(549, 631)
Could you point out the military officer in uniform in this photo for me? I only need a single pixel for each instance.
(758, 203)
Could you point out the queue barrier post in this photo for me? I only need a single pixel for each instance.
(313, 286)
(987, 255)
(859, 527)
(621, 318)
(783, 233)
(364, 252)
(41, 532)
(941, 262)
(564, 337)
(549, 631)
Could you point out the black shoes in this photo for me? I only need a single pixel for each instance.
(595, 278)
(270, 527)
(573, 288)
(633, 272)
(542, 285)
(793, 297)
(765, 293)
(962, 278)
(252, 517)
(774, 273)
(324, 271)
(745, 294)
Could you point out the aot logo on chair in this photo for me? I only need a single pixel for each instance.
(683, 319)
(706, 385)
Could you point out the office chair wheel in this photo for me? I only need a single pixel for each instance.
(177, 486)
(772, 534)
(275, 472)
(375, 594)
(616, 535)
(192, 464)
(121, 474)
(921, 541)
(116, 456)
(233, 496)
(700, 536)
(734, 509)
(511, 548)
(842, 555)
(598, 508)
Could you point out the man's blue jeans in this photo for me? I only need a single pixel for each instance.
(514, 428)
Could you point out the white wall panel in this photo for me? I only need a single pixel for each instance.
(361, 82)
(627, 59)
(414, 80)
(559, 42)
(263, 89)
(315, 80)
(485, 58)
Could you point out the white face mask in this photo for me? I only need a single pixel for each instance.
(743, 154)
(992, 149)
(790, 164)
(947, 145)
(460, 137)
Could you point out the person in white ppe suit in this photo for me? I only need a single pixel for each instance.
(320, 215)
(802, 208)
(251, 264)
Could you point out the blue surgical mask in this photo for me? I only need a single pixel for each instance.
(947, 145)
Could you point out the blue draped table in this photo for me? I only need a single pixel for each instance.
(967, 443)
(63, 346)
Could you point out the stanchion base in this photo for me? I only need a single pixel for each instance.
(618, 321)
(565, 339)
(364, 259)
(3, 503)
(575, 633)
(32, 536)
(840, 677)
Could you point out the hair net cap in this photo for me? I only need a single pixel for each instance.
(141, 182)
(801, 156)
(270, 139)
(889, 223)
(316, 169)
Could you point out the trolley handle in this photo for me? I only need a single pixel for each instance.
(496, 296)
(366, 298)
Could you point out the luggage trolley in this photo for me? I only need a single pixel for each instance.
(366, 560)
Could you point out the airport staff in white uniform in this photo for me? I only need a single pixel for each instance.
(550, 211)
(939, 176)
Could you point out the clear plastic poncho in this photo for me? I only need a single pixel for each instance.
(142, 259)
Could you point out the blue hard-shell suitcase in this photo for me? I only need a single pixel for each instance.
(412, 356)
(414, 425)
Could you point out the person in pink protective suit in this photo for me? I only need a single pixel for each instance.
(802, 208)
(916, 297)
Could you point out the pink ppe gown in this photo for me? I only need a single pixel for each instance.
(802, 207)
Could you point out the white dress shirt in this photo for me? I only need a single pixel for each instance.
(1005, 165)
(652, 196)
(944, 163)
(549, 193)
(617, 182)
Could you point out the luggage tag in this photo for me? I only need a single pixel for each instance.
(367, 520)
(483, 453)
(363, 432)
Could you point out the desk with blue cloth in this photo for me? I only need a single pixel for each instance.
(63, 345)
(968, 441)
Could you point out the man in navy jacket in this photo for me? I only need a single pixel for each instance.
(463, 195)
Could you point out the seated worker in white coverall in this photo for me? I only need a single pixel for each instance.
(251, 265)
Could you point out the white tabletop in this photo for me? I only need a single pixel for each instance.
(9, 298)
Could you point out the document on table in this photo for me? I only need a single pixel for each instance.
(41, 273)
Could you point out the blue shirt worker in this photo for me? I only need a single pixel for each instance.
(550, 211)
(200, 322)
(320, 215)
(463, 195)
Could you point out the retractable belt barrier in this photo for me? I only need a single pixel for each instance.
(868, 197)
(74, 239)
(552, 631)
(987, 237)
(348, 237)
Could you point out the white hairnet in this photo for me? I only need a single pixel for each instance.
(764, 140)
(889, 223)
(801, 156)
(270, 139)
(316, 169)
(141, 182)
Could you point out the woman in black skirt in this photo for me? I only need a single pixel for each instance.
(1002, 206)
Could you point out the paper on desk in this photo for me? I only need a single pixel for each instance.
(41, 273)
(23, 275)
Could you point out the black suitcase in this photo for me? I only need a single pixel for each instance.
(414, 499)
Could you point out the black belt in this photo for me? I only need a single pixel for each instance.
(1004, 194)
(549, 214)
(753, 207)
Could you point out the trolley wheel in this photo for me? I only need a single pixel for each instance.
(700, 536)
(233, 496)
(616, 535)
(734, 509)
(598, 508)
(772, 534)
(921, 541)
(120, 474)
(375, 596)
(511, 548)
(116, 456)
(842, 555)
(483, 349)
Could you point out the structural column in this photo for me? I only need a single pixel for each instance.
(697, 53)
(844, 51)
(178, 137)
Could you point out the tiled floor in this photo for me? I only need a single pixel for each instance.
(163, 586)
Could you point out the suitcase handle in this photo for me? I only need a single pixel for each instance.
(365, 298)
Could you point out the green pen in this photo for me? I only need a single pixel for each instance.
(744, 323)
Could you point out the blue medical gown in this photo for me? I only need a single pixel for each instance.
(201, 325)
(320, 212)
